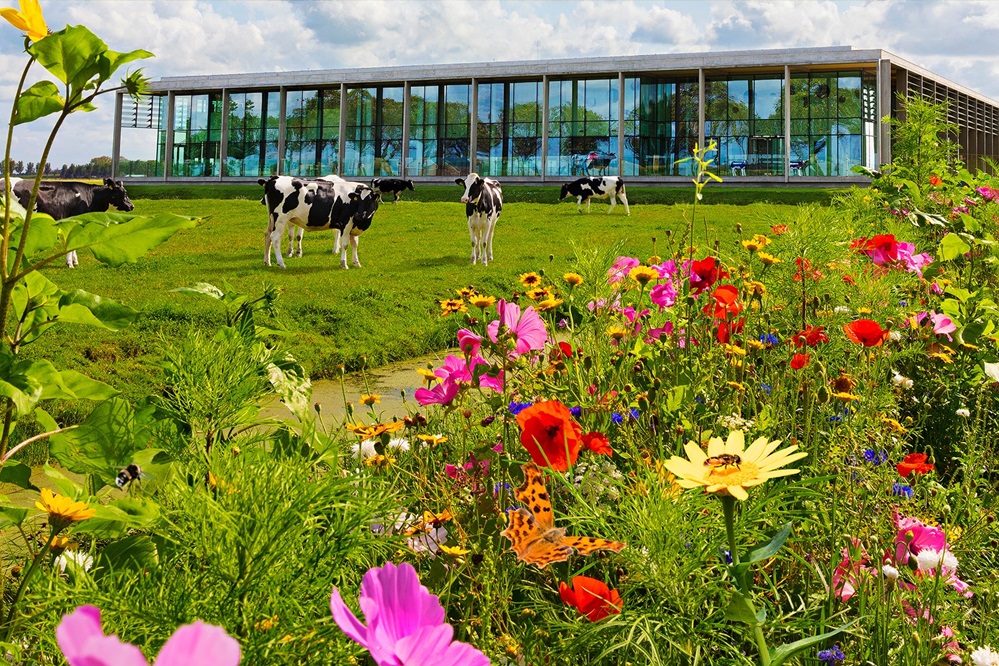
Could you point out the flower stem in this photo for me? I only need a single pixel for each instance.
(8, 625)
(728, 505)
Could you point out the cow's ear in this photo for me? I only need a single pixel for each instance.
(261, 181)
(459, 181)
(353, 196)
(480, 180)
(108, 182)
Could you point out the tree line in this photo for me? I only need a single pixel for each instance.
(97, 167)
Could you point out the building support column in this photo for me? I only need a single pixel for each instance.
(116, 135)
(341, 148)
(406, 110)
(884, 108)
(224, 136)
(544, 128)
(787, 123)
(282, 126)
(168, 149)
(620, 123)
(700, 108)
(473, 129)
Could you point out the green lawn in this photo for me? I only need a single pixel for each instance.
(414, 253)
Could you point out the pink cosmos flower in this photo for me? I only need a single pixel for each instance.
(913, 536)
(658, 333)
(622, 266)
(664, 295)
(469, 342)
(455, 372)
(527, 327)
(83, 643)
(848, 574)
(406, 624)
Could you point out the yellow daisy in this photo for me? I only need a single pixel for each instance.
(369, 399)
(728, 467)
(531, 279)
(767, 259)
(481, 302)
(617, 332)
(456, 551)
(62, 510)
(549, 303)
(643, 274)
(573, 279)
(432, 440)
(538, 293)
(29, 19)
(428, 376)
(379, 460)
(452, 305)
(757, 242)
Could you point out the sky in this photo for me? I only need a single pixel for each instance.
(953, 38)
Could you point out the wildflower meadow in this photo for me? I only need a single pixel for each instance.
(773, 450)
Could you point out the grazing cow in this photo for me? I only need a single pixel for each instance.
(601, 187)
(315, 205)
(483, 199)
(66, 199)
(393, 186)
(296, 234)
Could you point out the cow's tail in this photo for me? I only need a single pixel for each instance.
(619, 188)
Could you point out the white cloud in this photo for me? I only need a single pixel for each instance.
(953, 38)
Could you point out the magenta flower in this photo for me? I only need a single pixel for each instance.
(83, 643)
(622, 266)
(913, 536)
(850, 571)
(469, 342)
(527, 328)
(942, 324)
(456, 372)
(663, 295)
(406, 624)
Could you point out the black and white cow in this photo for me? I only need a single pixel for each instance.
(600, 187)
(393, 186)
(296, 234)
(66, 199)
(315, 205)
(483, 199)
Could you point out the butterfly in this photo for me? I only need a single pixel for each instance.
(532, 532)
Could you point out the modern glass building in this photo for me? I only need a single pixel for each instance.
(807, 115)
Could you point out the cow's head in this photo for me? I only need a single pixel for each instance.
(564, 193)
(118, 196)
(366, 201)
(473, 187)
(409, 185)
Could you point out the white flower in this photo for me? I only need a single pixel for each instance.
(400, 444)
(985, 656)
(901, 382)
(890, 572)
(895, 335)
(429, 541)
(963, 413)
(403, 520)
(75, 559)
(841, 309)
(366, 449)
(934, 560)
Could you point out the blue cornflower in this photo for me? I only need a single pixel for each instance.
(699, 399)
(903, 303)
(766, 388)
(835, 418)
(726, 555)
(616, 418)
(517, 407)
(575, 411)
(832, 656)
(875, 457)
(902, 490)
(633, 413)
(769, 339)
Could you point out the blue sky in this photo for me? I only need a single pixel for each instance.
(954, 38)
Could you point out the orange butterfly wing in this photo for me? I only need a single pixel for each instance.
(532, 531)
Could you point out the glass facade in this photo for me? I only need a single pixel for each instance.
(637, 126)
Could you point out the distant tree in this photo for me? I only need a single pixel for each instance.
(100, 167)
(63, 171)
(19, 167)
(48, 168)
(30, 168)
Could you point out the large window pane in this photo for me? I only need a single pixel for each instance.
(582, 128)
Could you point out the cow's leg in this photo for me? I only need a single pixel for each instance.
(624, 200)
(588, 205)
(274, 239)
(71, 259)
(490, 228)
(613, 202)
(472, 234)
(579, 204)
(293, 234)
(353, 247)
(397, 195)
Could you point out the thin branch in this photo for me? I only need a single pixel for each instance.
(35, 439)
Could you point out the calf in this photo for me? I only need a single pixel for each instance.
(67, 199)
(483, 199)
(393, 186)
(314, 205)
(601, 187)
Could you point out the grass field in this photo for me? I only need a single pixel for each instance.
(415, 253)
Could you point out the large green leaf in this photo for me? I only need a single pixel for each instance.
(72, 55)
(103, 312)
(16, 473)
(42, 235)
(768, 550)
(103, 443)
(132, 552)
(119, 238)
(952, 246)
(740, 609)
(110, 60)
(781, 654)
(73, 385)
(11, 516)
(39, 100)
(117, 518)
(19, 380)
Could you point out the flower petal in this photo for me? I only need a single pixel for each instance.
(199, 644)
(347, 621)
(695, 454)
(716, 447)
(736, 443)
(77, 628)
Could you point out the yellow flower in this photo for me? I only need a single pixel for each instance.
(643, 274)
(734, 350)
(375, 429)
(451, 305)
(266, 624)
(29, 19)
(531, 279)
(538, 293)
(432, 440)
(863, 311)
(379, 460)
(62, 510)
(755, 344)
(466, 292)
(845, 397)
(482, 302)
(942, 356)
(728, 468)
(736, 385)
(756, 288)
(428, 376)
(757, 242)
(456, 551)
(893, 424)
(369, 399)
(654, 259)
(767, 259)
(549, 303)
(617, 332)
(573, 279)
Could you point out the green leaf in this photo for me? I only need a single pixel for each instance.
(42, 235)
(740, 609)
(12, 516)
(73, 385)
(17, 473)
(781, 654)
(73, 56)
(38, 101)
(103, 443)
(768, 550)
(953, 246)
(65, 485)
(112, 60)
(104, 312)
(972, 332)
(119, 238)
(18, 382)
(132, 552)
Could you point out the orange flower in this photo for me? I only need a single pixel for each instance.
(935, 180)
(914, 462)
(779, 229)
(591, 597)
(810, 337)
(598, 443)
(726, 302)
(800, 361)
(550, 435)
(866, 332)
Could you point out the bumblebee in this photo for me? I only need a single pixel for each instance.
(723, 460)
(127, 475)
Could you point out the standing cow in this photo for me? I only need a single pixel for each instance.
(483, 199)
(314, 205)
(601, 187)
(393, 186)
(67, 199)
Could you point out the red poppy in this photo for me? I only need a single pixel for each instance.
(550, 435)
(810, 337)
(847, 278)
(726, 329)
(779, 230)
(561, 350)
(800, 361)
(935, 180)
(866, 332)
(704, 273)
(725, 301)
(591, 597)
(598, 443)
(914, 462)
(805, 270)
